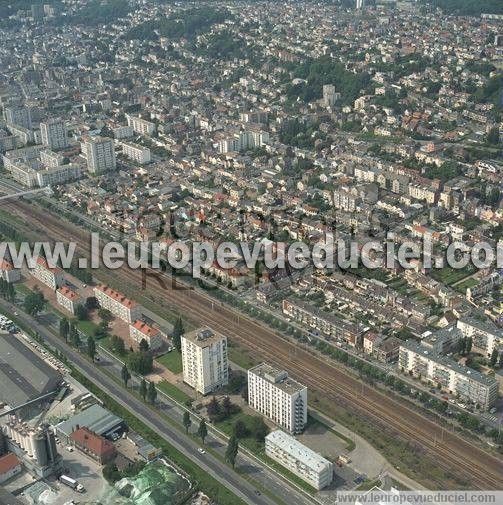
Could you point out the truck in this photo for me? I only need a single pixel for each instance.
(68, 481)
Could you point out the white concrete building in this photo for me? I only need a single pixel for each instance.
(68, 299)
(278, 397)
(140, 330)
(447, 373)
(59, 174)
(204, 360)
(52, 277)
(244, 141)
(136, 152)
(20, 116)
(485, 335)
(54, 134)
(299, 459)
(120, 306)
(141, 126)
(100, 154)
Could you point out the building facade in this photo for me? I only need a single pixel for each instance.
(52, 277)
(100, 155)
(205, 360)
(140, 330)
(136, 152)
(54, 134)
(299, 459)
(278, 397)
(120, 306)
(448, 374)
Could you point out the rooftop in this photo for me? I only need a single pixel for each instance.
(277, 377)
(448, 362)
(299, 451)
(95, 418)
(203, 337)
(17, 386)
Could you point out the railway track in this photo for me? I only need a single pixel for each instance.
(454, 454)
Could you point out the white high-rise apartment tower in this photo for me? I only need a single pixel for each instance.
(100, 154)
(54, 134)
(278, 397)
(204, 360)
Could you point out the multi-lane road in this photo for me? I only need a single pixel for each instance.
(459, 457)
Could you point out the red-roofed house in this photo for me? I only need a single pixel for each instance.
(97, 447)
(140, 330)
(52, 277)
(8, 272)
(68, 298)
(9, 466)
(120, 306)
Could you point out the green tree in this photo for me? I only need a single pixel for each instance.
(144, 347)
(91, 347)
(106, 317)
(111, 473)
(152, 393)
(469, 343)
(140, 362)
(125, 375)
(81, 313)
(64, 328)
(202, 431)
(186, 421)
(73, 336)
(240, 430)
(176, 337)
(34, 303)
(232, 451)
(117, 344)
(143, 389)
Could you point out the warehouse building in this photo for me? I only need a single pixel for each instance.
(18, 387)
(95, 418)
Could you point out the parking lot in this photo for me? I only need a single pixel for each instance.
(84, 470)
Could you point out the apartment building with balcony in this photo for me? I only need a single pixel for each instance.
(278, 397)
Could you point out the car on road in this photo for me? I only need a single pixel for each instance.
(201, 450)
(493, 411)
(257, 492)
(360, 479)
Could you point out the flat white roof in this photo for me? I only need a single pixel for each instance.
(299, 451)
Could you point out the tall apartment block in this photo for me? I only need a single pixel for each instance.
(19, 116)
(204, 359)
(100, 155)
(278, 397)
(54, 134)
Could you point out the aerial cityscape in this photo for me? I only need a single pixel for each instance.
(251, 252)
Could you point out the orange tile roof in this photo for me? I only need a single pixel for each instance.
(130, 304)
(145, 328)
(8, 462)
(68, 293)
(43, 263)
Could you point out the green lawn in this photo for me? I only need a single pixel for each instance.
(174, 392)
(249, 442)
(172, 361)
(87, 327)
